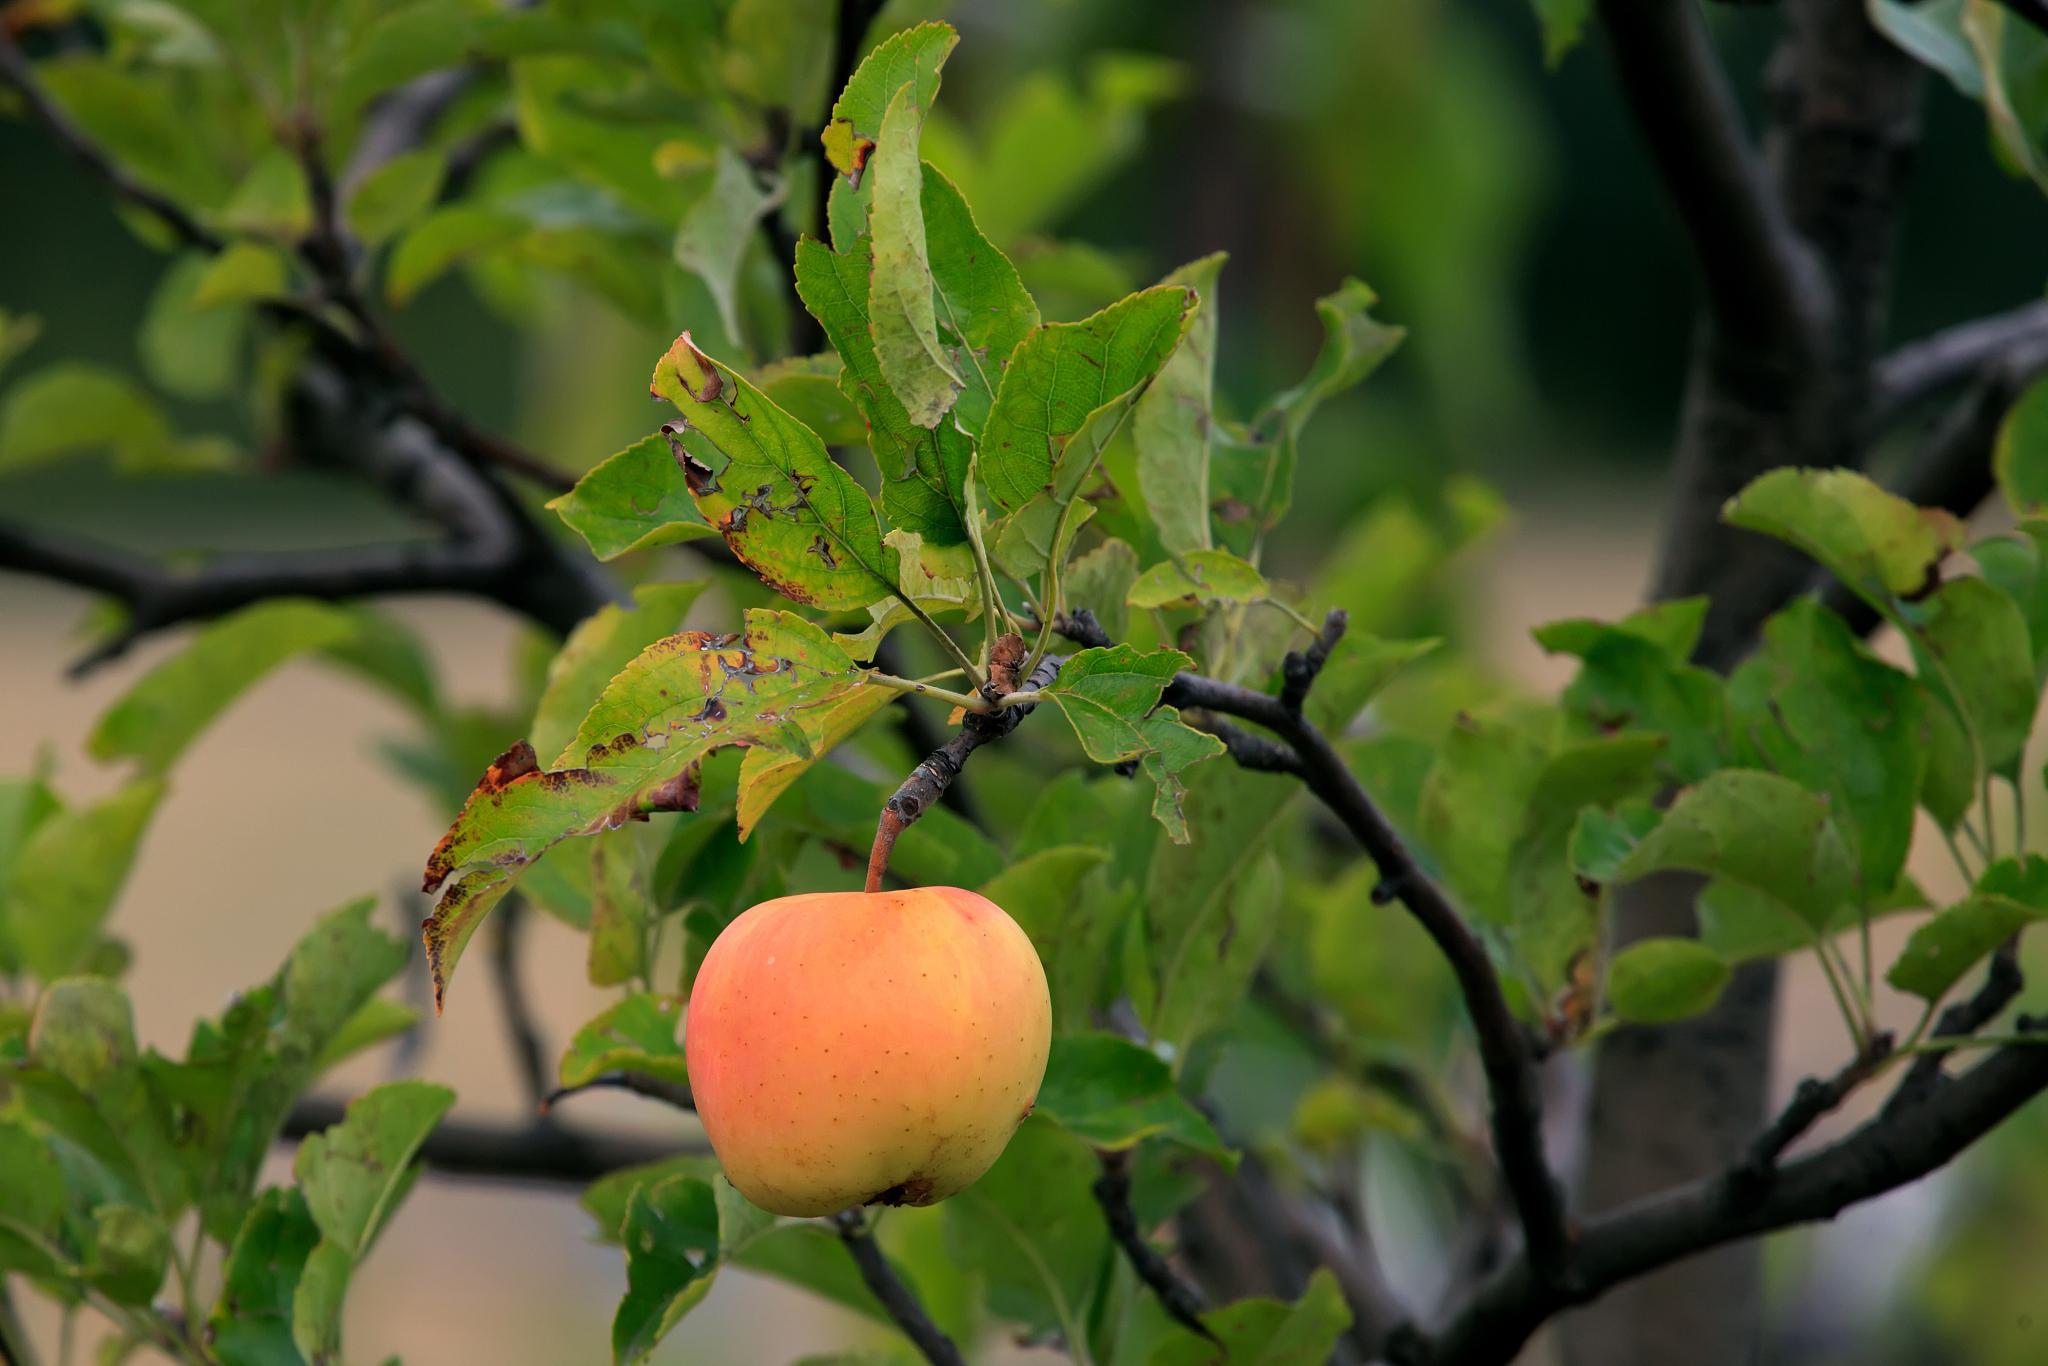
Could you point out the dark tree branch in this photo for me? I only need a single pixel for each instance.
(531, 1152)
(672, 1093)
(1761, 284)
(928, 782)
(1895, 1149)
(522, 1031)
(1181, 1299)
(16, 73)
(2001, 985)
(1516, 1106)
(896, 1297)
(1956, 355)
(1812, 1099)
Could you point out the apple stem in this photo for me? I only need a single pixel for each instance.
(886, 831)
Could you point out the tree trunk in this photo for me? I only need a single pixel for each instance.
(1674, 1102)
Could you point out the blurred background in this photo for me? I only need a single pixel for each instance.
(1504, 213)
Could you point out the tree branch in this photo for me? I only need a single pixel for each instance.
(1516, 1106)
(1761, 285)
(672, 1093)
(1896, 1148)
(522, 1031)
(16, 73)
(1181, 1299)
(896, 1297)
(1956, 355)
(532, 1152)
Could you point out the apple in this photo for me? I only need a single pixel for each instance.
(850, 1048)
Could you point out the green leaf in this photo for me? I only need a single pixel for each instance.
(71, 408)
(1654, 981)
(911, 57)
(2020, 458)
(1632, 678)
(1975, 652)
(1043, 892)
(1602, 839)
(809, 389)
(442, 240)
(1065, 389)
(1813, 705)
(1031, 1228)
(188, 349)
(1174, 418)
(901, 314)
(1564, 23)
(272, 200)
(1355, 672)
(1673, 627)
(634, 500)
(1111, 698)
(767, 483)
(1211, 908)
(1100, 581)
(692, 693)
(672, 1243)
(85, 1080)
(131, 1250)
(252, 1323)
(637, 1035)
(1354, 345)
(982, 308)
(352, 1177)
(1875, 542)
(18, 332)
(619, 915)
(1198, 576)
(2013, 563)
(1763, 832)
(1114, 1094)
(244, 273)
(940, 579)
(1944, 948)
(67, 873)
(718, 229)
(1262, 1332)
(173, 703)
(393, 196)
(601, 645)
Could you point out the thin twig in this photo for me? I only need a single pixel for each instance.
(1811, 1099)
(1516, 1104)
(1179, 1297)
(1954, 355)
(896, 1297)
(672, 1093)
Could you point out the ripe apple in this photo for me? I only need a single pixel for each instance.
(848, 1048)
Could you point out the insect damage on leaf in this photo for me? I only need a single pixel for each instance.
(636, 752)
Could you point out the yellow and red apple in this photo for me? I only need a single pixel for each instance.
(847, 1048)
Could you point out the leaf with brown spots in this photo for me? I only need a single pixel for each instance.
(767, 483)
(681, 698)
(912, 57)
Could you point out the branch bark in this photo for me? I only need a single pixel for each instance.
(896, 1297)
(1181, 1299)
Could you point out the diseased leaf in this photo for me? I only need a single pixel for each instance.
(1262, 1332)
(637, 1034)
(718, 229)
(169, 706)
(1758, 830)
(1654, 981)
(1174, 418)
(680, 699)
(635, 500)
(1066, 387)
(66, 874)
(765, 774)
(1875, 542)
(1114, 1094)
(601, 645)
(766, 482)
(1955, 940)
(1198, 576)
(911, 57)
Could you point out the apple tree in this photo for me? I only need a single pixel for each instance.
(947, 565)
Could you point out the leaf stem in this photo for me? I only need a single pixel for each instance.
(919, 688)
(1850, 1018)
(951, 645)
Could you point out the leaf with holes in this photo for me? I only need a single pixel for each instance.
(601, 645)
(683, 697)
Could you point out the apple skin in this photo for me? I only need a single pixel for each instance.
(848, 1048)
